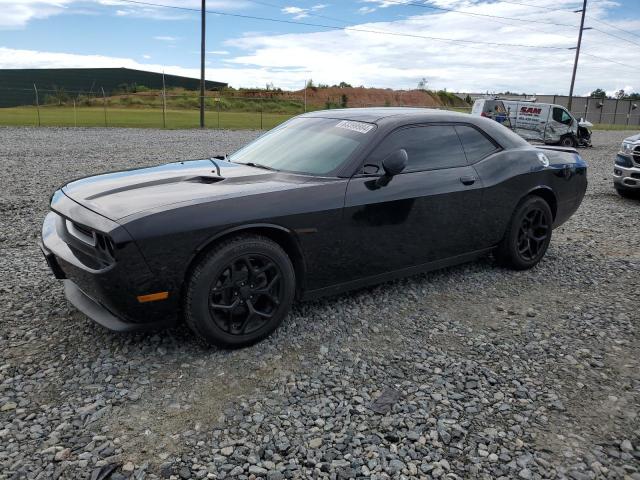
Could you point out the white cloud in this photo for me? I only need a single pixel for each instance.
(146, 57)
(397, 61)
(297, 12)
(166, 38)
(18, 13)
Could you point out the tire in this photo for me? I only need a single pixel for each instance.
(567, 141)
(239, 292)
(628, 193)
(527, 236)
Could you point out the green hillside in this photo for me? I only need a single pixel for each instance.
(17, 85)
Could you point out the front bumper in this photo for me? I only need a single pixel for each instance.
(106, 292)
(100, 314)
(626, 177)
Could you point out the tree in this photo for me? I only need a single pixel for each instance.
(344, 85)
(422, 84)
(343, 101)
(467, 98)
(59, 95)
(620, 94)
(598, 93)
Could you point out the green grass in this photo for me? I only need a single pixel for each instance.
(604, 126)
(53, 116)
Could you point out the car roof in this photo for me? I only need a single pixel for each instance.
(394, 117)
(377, 114)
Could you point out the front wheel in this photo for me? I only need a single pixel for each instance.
(527, 236)
(568, 141)
(239, 292)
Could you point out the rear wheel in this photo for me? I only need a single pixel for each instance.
(240, 292)
(527, 236)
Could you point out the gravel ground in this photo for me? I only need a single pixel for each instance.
(487, 373)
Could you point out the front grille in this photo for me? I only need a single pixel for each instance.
(636, 155)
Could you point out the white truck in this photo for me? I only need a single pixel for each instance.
(543, 122)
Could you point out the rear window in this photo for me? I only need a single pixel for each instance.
(476, 145)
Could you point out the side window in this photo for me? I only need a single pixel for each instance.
(475, 144)
(429, 147)
(561, 115)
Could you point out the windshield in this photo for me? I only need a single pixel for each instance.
(306, 145)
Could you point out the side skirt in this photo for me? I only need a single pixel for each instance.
(395, 274)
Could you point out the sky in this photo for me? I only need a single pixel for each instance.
(458, 45)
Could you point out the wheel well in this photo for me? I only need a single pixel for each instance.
(285, 240)
(549, 197)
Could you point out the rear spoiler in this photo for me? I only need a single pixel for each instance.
(558, 149)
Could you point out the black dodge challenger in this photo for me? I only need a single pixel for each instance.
(326, 202)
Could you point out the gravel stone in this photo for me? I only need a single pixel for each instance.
(494, 374)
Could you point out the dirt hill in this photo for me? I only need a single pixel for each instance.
(369, 97)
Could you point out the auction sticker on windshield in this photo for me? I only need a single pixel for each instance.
(359, 127)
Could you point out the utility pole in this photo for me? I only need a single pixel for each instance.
(577, 49)
(202, 56)
(305, 95)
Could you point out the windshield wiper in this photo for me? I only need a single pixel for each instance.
(258, 165)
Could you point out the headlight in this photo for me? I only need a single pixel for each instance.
(626, 148)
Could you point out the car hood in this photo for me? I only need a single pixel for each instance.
(119, 194)
(633, 139)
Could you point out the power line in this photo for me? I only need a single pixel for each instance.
(608, 60)
(378, 32)
(536, 6)
(610, 25)
(314, 14)
(591, 17)
(352, 29)
(616, 36)
(451, 10)
(474, 14)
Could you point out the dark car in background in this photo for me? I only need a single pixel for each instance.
(626, 171)
(326, 202)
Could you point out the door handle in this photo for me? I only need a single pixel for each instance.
(468, 180)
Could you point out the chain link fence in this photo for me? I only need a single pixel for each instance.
(228, 109)
(171, 109)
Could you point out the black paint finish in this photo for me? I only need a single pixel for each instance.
(341, 232)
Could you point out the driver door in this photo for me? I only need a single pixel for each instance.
(429, 212)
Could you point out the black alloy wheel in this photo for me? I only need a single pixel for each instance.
(246, 294)
(528, 234)
(533, 232)
(239, 292)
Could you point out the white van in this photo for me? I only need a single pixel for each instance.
(544, 122)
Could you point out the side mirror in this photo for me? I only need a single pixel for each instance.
(392, 165)
(395, 163)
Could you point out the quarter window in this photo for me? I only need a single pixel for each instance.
(429, 147)
(475, 144)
